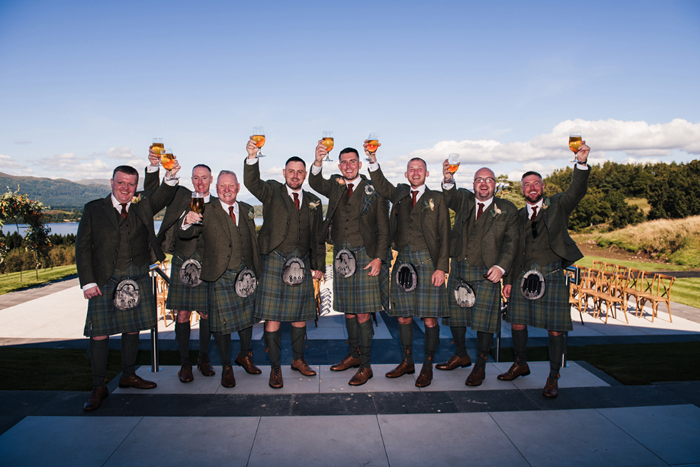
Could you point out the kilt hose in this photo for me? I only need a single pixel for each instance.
(485, 315)
(181, 297)
(551, 312)
(229, 313)
(358, 293)
(277, 301)
(104, 319)
(425, 301)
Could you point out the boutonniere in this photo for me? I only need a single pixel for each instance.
(340, 180)
(545, 205)
(136, 199)
(430, 204)
(496, 211)
(314, 205)
(251, 214)
(369, 190)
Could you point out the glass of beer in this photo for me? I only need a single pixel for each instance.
(453, 161)
(328, 142)
(259, 138)
(167, 160)
(157, 146)
(575, 141)
(372, 144)
(197, 203)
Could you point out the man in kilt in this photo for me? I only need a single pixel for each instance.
(545, 249)
(358, 223)
(293, 254)
(185, 298)
(483, 245)
(420, 229)
(113, 251)
(230, 251)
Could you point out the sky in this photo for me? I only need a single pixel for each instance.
(85, 86)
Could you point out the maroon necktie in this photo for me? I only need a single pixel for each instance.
(123, 213)
(233, 216)
(480, 211)
(414, 193)
(296, 200)
(534, 214)
(349, 190)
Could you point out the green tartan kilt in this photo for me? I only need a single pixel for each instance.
(551, 312)
(358, 293)
(103, 319)
(485, 315)
(228, 312)
(185, 298)
(277, 301)
(425, 301)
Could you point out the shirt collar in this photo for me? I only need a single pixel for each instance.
(420, 190)
(486, 203)
(117, 205)
(537, 205)
(354, 182)
(298, 192)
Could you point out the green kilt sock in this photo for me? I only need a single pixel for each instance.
(366, 332)
(432, 337)
(204, 336)
(353, 335)
(246, 336)
(556, 352)
(98, 351)
(483, 346)
(223, 342)
(520, 346)
(460, 340)
(298, 339)
(182, 336)
(273, 340)
(130, 347)
(406, 338)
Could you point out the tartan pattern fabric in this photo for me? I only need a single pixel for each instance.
(358, 293)
(551, 312)
(186, 298)
(368, 199)
(425, 301)
(103, 319)
(277, 301)
(228, 312)
(485, 315)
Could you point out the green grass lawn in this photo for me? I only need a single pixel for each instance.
(11, 281)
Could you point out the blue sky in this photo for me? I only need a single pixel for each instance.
(85, 86)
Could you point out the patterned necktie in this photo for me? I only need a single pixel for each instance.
(349, 190)
(480, 211)
(414, 193)
(534, 214)
(233, 216)
(123, 213)
(296, 200)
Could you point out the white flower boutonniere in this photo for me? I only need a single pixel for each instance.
(314, 205)
(136, 199)
(430, 204)
(340, 180)
(496, 211)
(369, 190)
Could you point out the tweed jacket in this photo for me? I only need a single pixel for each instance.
(276, 216)
(217, 240)
(435, 219)
(374, 220)
(557, 210)
(97, 243)
(500, 236)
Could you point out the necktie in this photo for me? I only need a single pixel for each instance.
(534, 214)
(296, 200)
(233, 216)
(349, 190)
(123, 213)
(414, 193)
(480, 211)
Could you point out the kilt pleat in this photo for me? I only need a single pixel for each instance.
(277, 301)
(425, 301)
(358, 293)
(484, 316)
(228, 312)
(185, 298)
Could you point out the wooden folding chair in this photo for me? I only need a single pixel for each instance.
(633, 288)
(609, 295)
(660, 293)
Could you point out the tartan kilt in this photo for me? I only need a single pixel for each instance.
(485, 315)
(277, 301)
(228, 312)
(425, 301)
(358, 293)
(551, 312)
(185, 298)
(103, 319)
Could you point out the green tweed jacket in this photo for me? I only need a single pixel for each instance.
(435, 219)
(276, 216)
(374, 211)
(217, 240)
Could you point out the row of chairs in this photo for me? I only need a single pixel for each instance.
(613, 285)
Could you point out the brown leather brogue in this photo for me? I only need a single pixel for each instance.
(135, 381)
(185, 373)
(98, 394)
(276, 381)
(426, 375)
(348, 362)
(454, 362)
(227, 378)
(204, 366)
(302, 367)
(404, 368)
(476, 377)
(551, 389)
(246, 361)
(361, 377)
(514, 371)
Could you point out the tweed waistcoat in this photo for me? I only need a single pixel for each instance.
(471, 250)
(538, 249)
(409, 231)
(133, 241)
(346, 221)
(240, 239)
(298, 234)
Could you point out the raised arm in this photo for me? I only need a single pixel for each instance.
(251, 175)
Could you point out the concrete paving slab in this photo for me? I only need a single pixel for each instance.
(332, 381)
(573, 376)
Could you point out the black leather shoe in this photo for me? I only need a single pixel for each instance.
(185, 373)
(204, 366)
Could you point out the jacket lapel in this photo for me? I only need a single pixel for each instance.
(109, 210)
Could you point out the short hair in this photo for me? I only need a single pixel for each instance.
(295, 159)
(417, 159)
(348, 151)
(128, 170)
(226, 172)
(201, 165)
(531, 172)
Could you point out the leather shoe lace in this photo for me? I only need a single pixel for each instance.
(276, 381)
(361, 377)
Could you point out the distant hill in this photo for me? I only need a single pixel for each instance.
(95, 181)
(57, 193)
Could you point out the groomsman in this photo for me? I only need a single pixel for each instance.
(420, 229)
(358, 220)
(293, 254)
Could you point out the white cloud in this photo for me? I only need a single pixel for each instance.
(121, 153)
(8, 164)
